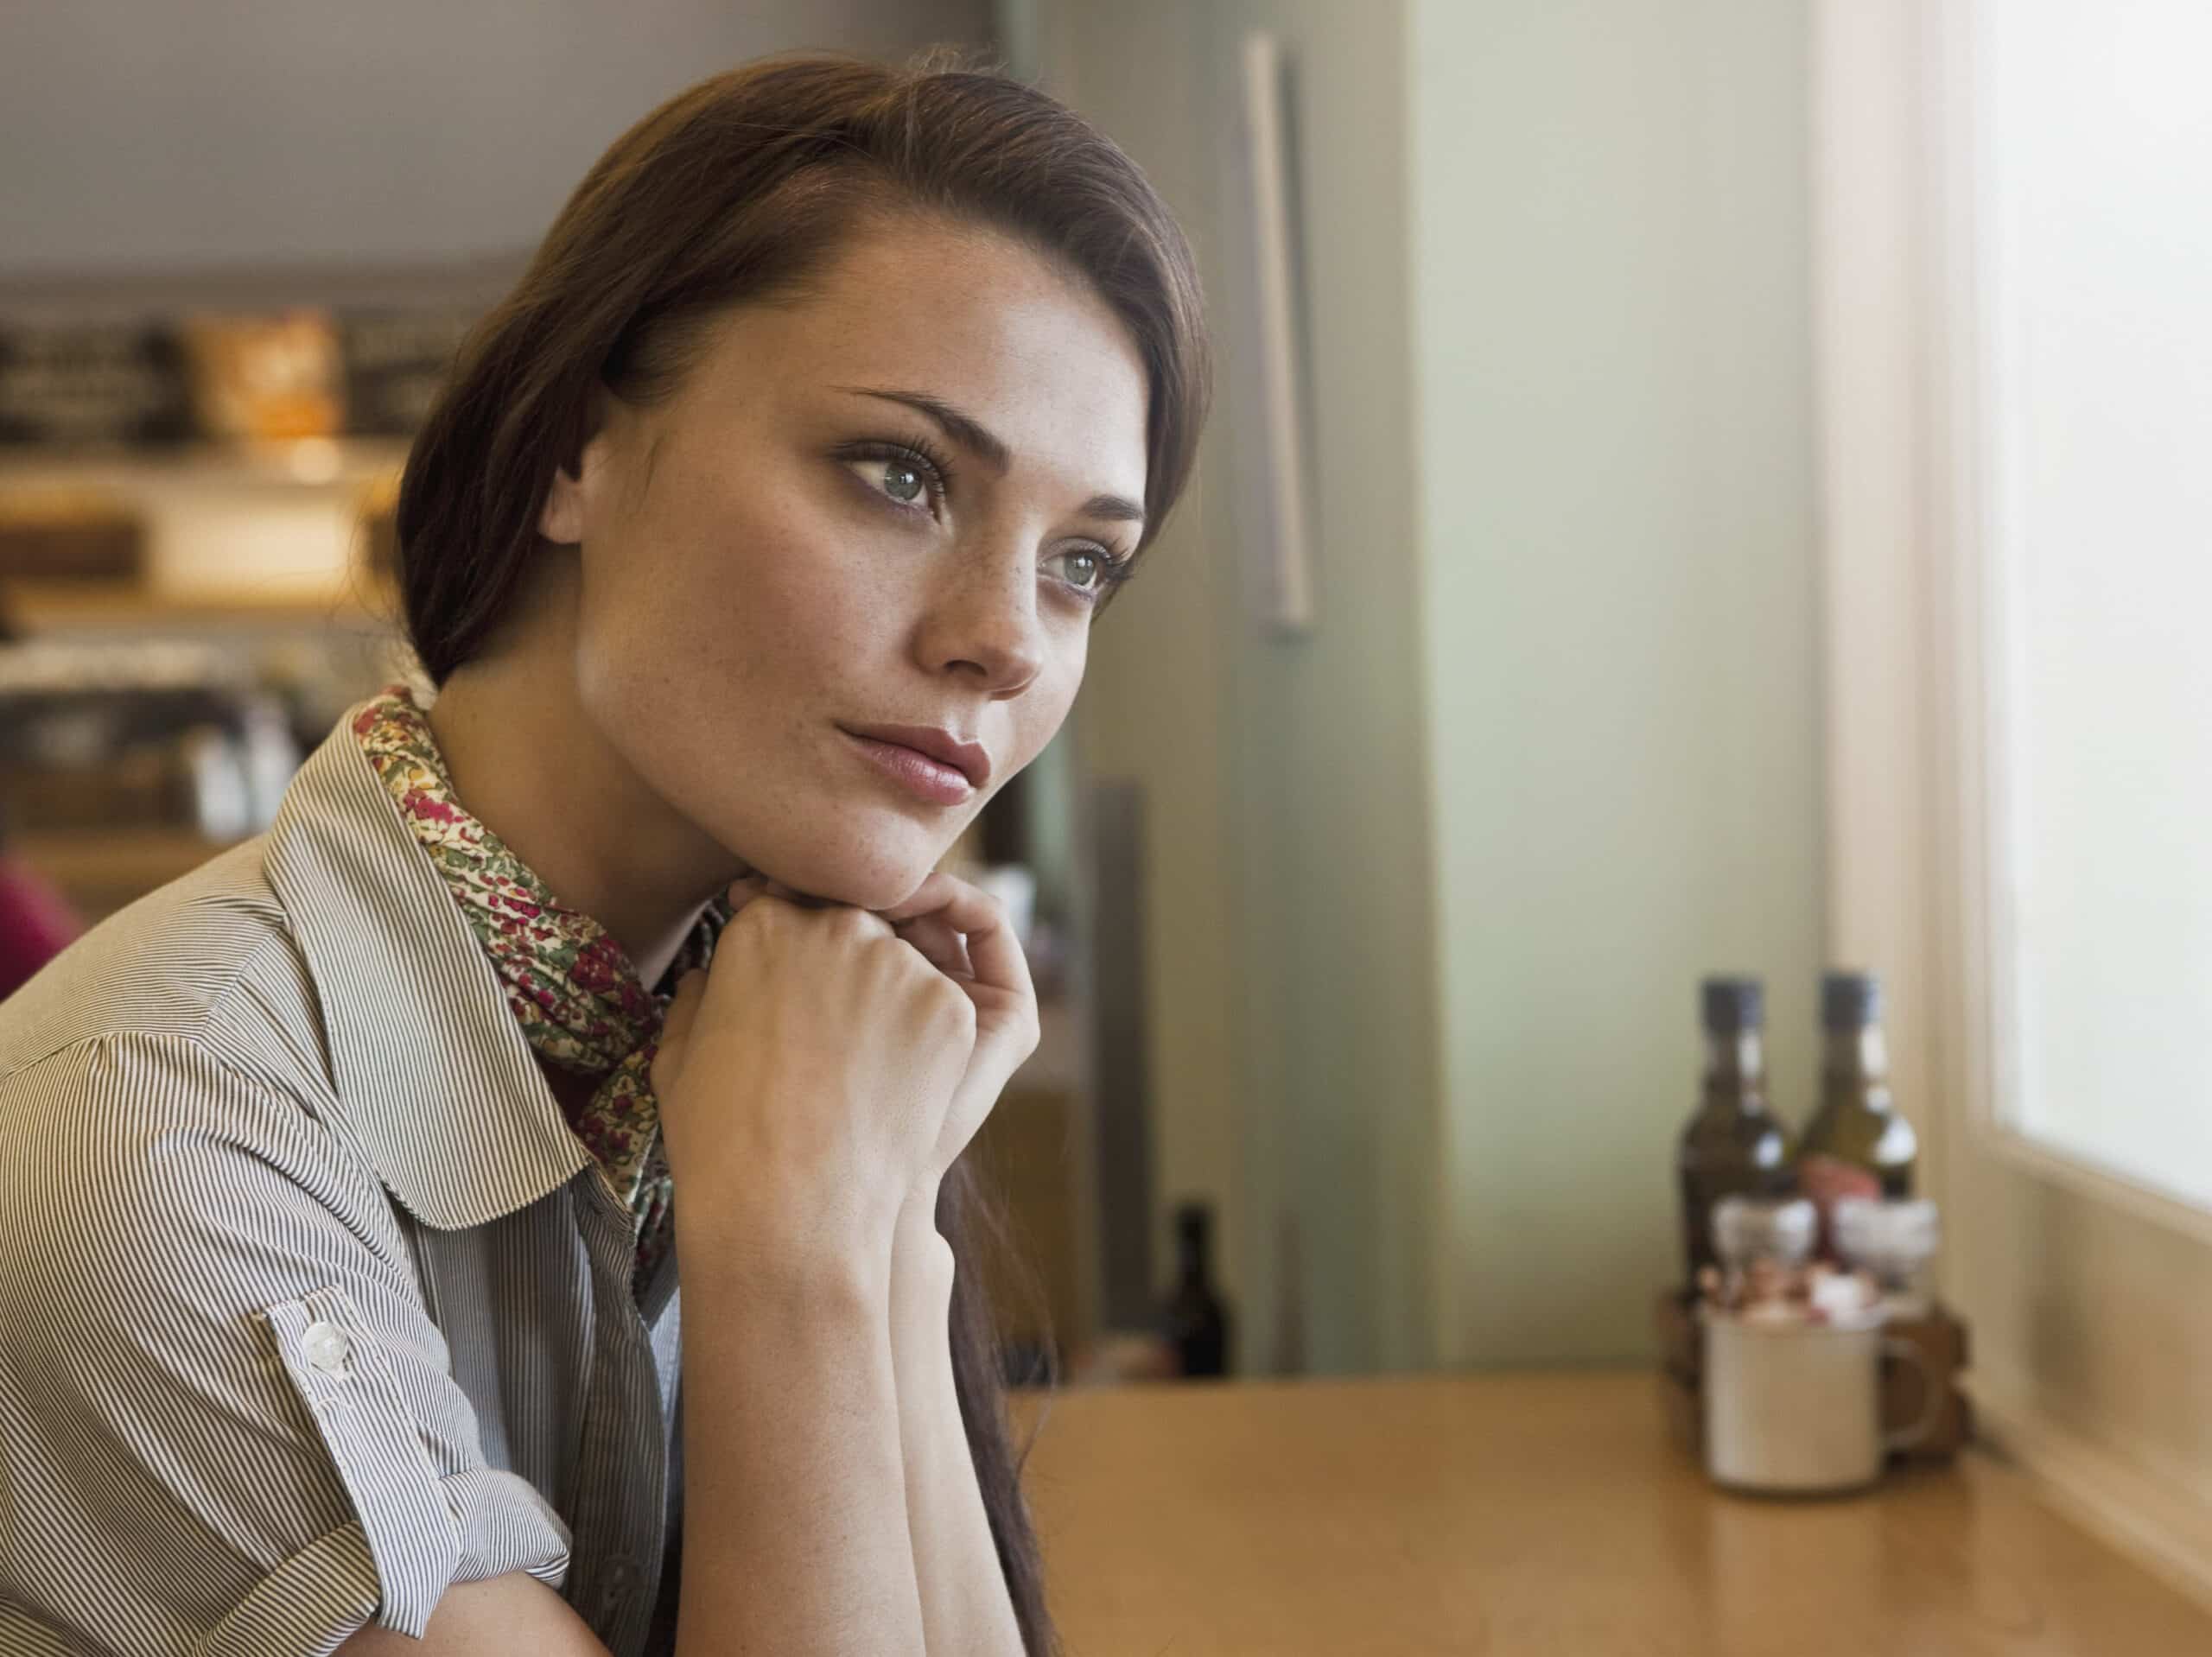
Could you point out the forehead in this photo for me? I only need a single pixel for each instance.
(976, 318)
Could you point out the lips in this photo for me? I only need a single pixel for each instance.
(971, 760)
(925, 778)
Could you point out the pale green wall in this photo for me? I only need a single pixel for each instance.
(1434, 887)
(1293, 1036)
(1617, 520)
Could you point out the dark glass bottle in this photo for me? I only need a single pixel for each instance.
(1856, 1120)
(1195, 1323)
(1734, 1145)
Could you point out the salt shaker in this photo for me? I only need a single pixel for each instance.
(1893, 1240)
(1746, 1228)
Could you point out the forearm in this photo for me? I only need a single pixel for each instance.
(795, 1534)
(966, 1610)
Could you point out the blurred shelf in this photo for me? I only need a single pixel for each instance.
(38, 606)
(151, 291)
(290, 463)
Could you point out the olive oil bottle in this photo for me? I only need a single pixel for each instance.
(1734, 1145)
(1856, 1120)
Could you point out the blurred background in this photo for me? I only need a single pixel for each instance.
(1711, 485)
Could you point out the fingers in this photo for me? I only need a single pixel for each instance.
(762, 887)
(755, 890)
(941, 945)
(993, 950)
(936, 920)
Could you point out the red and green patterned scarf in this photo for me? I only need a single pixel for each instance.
(571, 985)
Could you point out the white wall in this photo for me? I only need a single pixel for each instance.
(144, 132)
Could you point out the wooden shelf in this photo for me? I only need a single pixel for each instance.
(37, 605)
(290, 463)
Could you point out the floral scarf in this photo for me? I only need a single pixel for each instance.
(570, 985)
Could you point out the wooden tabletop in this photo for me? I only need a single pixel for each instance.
(1539, 1513)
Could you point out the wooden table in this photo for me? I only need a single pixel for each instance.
(1538, 1513)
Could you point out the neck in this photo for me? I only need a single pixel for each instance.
(1735, 1063)
(527, 760)
(1857, 1054)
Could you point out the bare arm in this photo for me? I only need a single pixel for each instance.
(515, 1612)
(795, 1518)
(795, 1531)
(966, 1610)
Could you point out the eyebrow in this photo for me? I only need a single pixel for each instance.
(978, 439)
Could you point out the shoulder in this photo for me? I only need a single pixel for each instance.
(143, 1167)
(209, 957)
(168, 1071)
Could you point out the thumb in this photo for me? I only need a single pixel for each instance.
(676, 1027)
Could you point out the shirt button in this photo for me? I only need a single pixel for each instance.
(325, 1347)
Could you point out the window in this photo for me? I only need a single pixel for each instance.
(2091, 199)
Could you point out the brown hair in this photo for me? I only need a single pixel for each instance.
(736, 191)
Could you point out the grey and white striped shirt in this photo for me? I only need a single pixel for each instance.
(311, 1303)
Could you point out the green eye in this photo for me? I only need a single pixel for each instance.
(903, 484)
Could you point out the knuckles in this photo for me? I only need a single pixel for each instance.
(947, 1003)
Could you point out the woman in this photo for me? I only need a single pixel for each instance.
(754, 544)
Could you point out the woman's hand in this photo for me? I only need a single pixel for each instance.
(804, 1081)
(962, 931)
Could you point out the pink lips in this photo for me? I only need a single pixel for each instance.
(930, 779)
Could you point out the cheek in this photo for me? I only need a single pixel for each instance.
(1045, 709)
(744, 609)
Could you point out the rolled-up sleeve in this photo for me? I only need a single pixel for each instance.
(227, 1421)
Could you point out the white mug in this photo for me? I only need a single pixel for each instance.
(1795, 1407)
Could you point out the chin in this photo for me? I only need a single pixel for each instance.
(867, 877)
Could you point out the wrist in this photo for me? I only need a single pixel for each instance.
(757, 1259)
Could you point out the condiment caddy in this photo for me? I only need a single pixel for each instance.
(1805, 1349)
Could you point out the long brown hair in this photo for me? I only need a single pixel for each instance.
(736, 191)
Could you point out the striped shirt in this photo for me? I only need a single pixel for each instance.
(311, 1303)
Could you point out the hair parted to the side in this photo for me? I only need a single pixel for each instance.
(737, 190)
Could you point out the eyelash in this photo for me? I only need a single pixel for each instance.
(936, 469)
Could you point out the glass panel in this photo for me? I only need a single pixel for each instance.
(2096, 208)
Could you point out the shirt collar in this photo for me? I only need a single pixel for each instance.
(434, 1076)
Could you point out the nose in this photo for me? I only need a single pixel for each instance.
(984, 622)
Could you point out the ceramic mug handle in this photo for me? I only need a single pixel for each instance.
(1932, 1405)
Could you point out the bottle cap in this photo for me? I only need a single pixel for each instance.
(1850, 1000)
(1732, 1005)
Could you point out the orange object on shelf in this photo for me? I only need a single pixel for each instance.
(266, 377)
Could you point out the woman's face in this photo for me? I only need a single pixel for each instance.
(795, 547)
